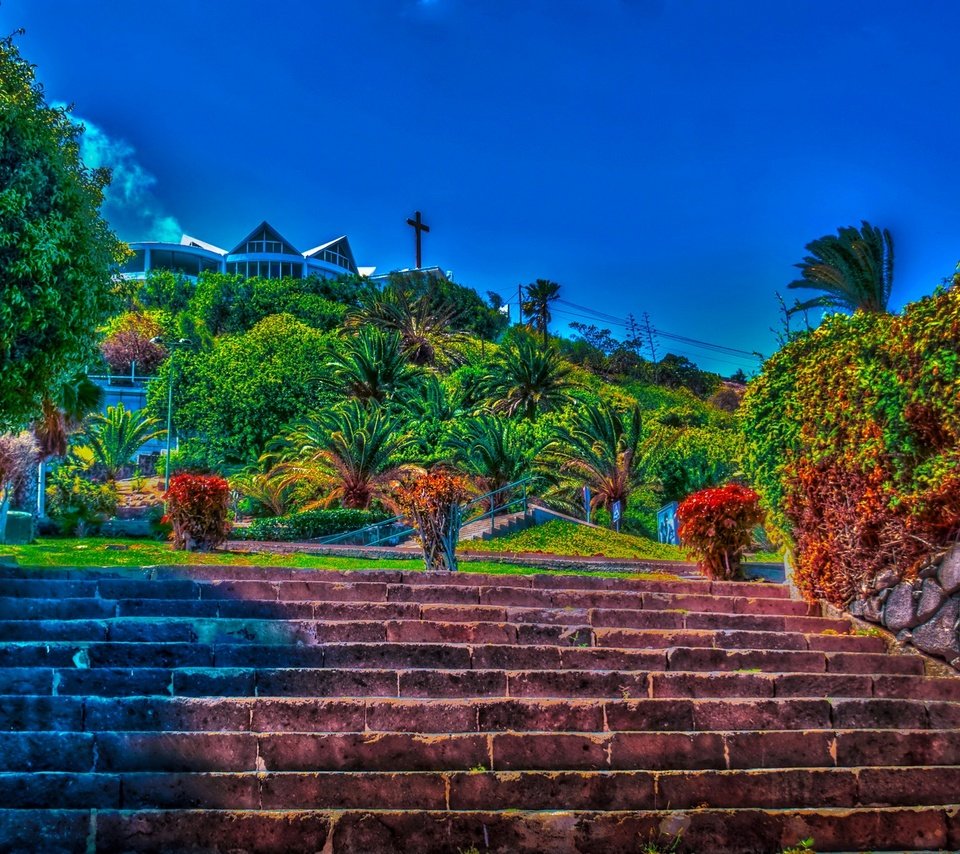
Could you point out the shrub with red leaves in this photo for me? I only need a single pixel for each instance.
(197, 509)
(716, 525)
(431, 502)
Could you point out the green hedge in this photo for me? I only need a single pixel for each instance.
(308, 525)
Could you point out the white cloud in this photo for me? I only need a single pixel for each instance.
(130, 203)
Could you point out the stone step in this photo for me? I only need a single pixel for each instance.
(333, 682)
(465, 579)
(732, 831)
(592, 715)
(236, 630)
(458, 790)
(502, 751)
(368, 591)
(446, 656)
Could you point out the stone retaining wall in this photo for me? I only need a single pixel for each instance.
(924, 612)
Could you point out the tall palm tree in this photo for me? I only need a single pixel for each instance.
(525, 379)
(494, 453)
(116, 436)
(370, 366)
(608, 452)
(853, 269)
(536, 306)
(346, 454)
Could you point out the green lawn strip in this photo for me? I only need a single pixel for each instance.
(137, 553)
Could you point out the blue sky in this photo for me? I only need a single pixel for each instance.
(668, 156)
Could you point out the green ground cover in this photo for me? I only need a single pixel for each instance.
(135, 553)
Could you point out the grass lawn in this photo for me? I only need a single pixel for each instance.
(121, 552)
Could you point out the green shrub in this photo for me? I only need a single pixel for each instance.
(77, 505)
(309, 525)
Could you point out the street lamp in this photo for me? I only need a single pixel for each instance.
(172, 346)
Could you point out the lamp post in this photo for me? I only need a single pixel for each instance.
(172, 346)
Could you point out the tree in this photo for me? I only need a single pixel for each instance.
(853, 270)
(116, 436)
(347, 454)
(62, 413)
(370, 366)
(526, 379)
(536, 306)
(57, 255)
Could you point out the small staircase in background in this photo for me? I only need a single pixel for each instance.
(237, 709)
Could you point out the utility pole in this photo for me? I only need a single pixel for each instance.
(519, 304)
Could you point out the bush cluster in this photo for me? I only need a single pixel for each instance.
(197, 509)
(853, 439)
(308, 525)
(716, 527)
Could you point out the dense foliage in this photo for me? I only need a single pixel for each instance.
(308, 525)
(56, 252)
(716, 527)
(197, 509)
(853, 438)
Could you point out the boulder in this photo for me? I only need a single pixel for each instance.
(873, 608)
(949, 572)
(932, 598)
(887, 578)
(856, 608)
(939, 635)
(899, 611)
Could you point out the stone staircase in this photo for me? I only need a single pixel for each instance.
(237, 709)
(508, 523)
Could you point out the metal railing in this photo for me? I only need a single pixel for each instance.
(396, 530)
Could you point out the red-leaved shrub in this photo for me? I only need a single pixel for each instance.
(431, 502)
(197, 509)
(716, 525)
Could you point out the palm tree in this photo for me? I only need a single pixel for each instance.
(346, 454)
(536, 306)
(115, 437)
(853, 270)
(63, 412)
(424, 324)
(608, 452)
(370, 367)
(526, 379)
(494, 453)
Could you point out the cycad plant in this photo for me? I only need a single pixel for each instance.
(370, 366)
(116, 436)
(526, 379)
(853, 270)
(346, 455)
(608, 451)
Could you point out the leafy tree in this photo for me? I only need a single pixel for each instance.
(525, 379)
(132, 344)
(494, 452)
(370, 366)
(56, 252)
(116, 436)
(536, 306)
(229, 401)
(166, 290)
(607, 451)
(853, 270)
(347, 454)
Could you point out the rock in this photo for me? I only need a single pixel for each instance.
(887, 578)
(949, 572)
(873, 608)
(116, 547)
(939, 635)
(855, 608)
(905, 636)
(899, 611)
(931, 598)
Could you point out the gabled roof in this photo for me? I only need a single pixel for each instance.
(339, 244)
(187, 240)
(274, 235)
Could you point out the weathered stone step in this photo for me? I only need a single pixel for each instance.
(367, 591)
(234, 630)
(333, 682)
(447, 656)
(541, 581)
(501, 751)
(457, 790)
(291, 714)
(732, 831)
